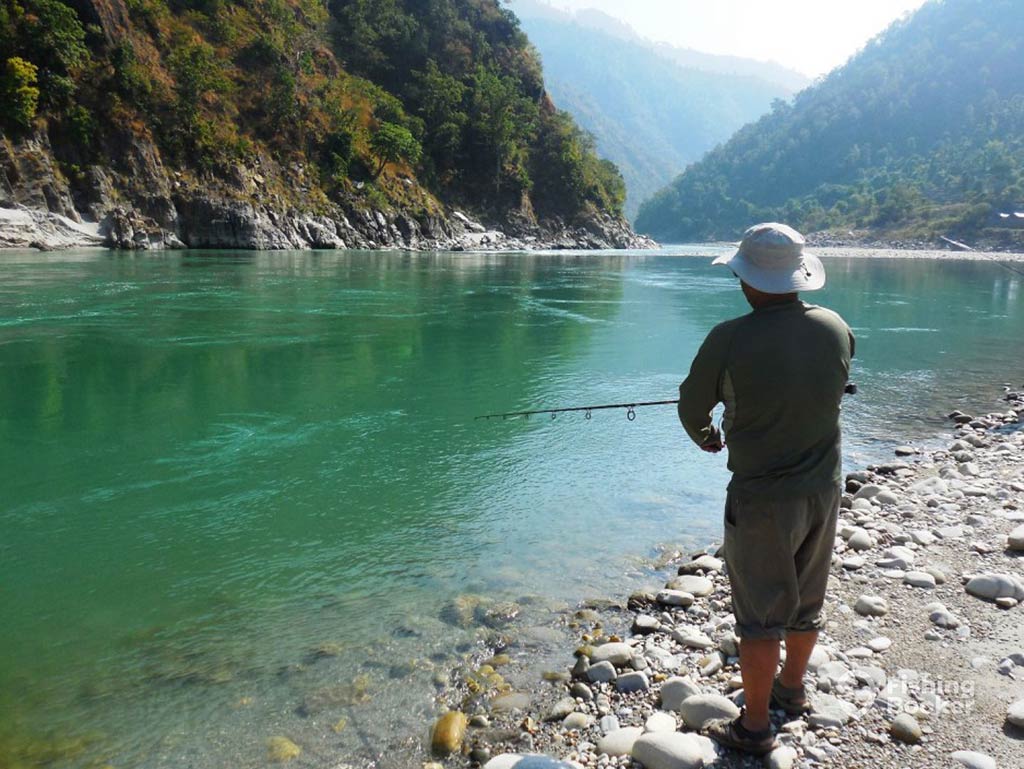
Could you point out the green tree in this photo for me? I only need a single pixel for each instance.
(393, 143)
(21, 96)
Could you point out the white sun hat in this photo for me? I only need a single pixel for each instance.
(771, 258)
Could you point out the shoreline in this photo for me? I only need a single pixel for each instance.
(913, 666)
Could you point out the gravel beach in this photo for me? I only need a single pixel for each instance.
(921, 663)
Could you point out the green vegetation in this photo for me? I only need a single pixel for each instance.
(920, 134)
(19, 91)
(354, 92)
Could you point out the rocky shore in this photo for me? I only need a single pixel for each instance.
(990, 241)
(920, 664)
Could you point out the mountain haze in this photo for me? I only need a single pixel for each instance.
(649, 113)
(920, 134)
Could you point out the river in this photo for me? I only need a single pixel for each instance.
(238, 489)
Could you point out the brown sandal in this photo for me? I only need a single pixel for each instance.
(733, 734)
(793, 701)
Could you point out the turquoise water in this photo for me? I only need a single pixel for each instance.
(215, 462)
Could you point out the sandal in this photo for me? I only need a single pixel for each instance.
(733, 734)
(793, 701)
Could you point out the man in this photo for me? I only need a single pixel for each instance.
(781, 371)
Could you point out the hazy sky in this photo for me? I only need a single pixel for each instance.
(811, 36)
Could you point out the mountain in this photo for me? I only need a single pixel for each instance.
(920, 134)
(284, 123)
(652, 109)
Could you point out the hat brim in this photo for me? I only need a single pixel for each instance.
(808, 276)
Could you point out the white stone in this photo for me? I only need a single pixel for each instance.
(528, 761)
(1015, 540)
(992, 586)
(660, 722)
(973, 760)
(871, 606)
(675, 690)
(674, 598)
(668, 750)
(617, 653)
(867, 491)
(919, 579)
(879, 644)
(1015, 714)
(860, 540)
(602, 672)
(692, 584)
(905, 729)
(699, 709)
(783, 757)
(632, 682)
(619, 742)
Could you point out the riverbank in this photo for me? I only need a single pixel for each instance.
(919, 666)
(990, 241)
(207, 222)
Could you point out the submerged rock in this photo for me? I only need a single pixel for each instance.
(281, 749)
(448, 733)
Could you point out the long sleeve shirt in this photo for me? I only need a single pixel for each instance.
(780, 371)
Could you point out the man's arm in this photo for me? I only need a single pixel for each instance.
(700, 392)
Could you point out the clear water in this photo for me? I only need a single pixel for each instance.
(212, 463)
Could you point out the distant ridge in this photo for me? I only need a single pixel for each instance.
(921, 134)
(650, 114)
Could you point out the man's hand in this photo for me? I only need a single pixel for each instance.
(714, 442)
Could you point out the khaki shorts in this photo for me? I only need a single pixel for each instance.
(779, 553)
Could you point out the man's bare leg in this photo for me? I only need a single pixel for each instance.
(759, 658)
(799, 646)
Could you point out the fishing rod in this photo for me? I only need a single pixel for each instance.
(850, 389)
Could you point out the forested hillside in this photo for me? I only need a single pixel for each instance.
(335, 108)
(649, 114)
(920, 134)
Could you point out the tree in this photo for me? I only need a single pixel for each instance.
(20, 93)
(392, 143)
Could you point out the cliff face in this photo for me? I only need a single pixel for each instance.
(207, 129)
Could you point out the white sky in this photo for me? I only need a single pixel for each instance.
(811, 36)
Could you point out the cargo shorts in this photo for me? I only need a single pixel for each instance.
(778, 554)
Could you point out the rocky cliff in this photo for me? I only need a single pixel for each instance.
(169, 127)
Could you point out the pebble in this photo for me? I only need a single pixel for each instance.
(617, 654)
(871, 606)
(879, 644)
(561, 709)
(674, 598)
(632, 682)
(973, 760)
(281, 749)
(505, 703)
(660, 722)
(783, 757)
(691, 583)
(699, 709)
(1015, 540)
(919, 579)
(860, 540)
(448, 733)
(1015, 714)
(906, 729)
(619, 742)
(601, 673)
(524, 760)
(992, 586)
(668, 750)
(675, 690)
(577, 721)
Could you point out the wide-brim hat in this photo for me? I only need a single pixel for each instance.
(771, 258)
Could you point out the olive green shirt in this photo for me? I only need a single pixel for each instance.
(780, 371)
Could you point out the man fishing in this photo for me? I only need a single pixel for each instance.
(780, 371)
